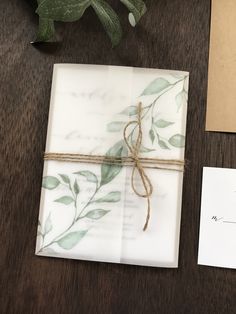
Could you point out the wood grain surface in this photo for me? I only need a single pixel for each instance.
(174, 34)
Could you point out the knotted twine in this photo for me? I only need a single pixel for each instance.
(138, 163)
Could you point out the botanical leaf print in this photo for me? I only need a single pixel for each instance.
(66, 200)
(50, 183)
(108, 171)
(71, 239)
(130, 111)
(111, 197)
(48, 225)
(96, 213)
(162, 123)
(90, 176)
(177, 140)
(156, 86)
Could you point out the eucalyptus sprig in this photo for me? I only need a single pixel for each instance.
(50, 11)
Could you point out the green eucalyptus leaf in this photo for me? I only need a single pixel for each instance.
(48, 225)
(76, 187)
(177, 140)
(46, 30)
(109, 172)
(186, 83)
(63, 10)
(144, 149)
(137, 9)
(116, 126)
(49, 250)
(130, 111)
(163, 145)
(71, 239)
(109, 20)
(65, 178)
(90, 176)
(181, 99)
(111, 197)
(66, 200)
(152, 135)
(156, 86)
(50, 182)
(96, 213)
(162, 123)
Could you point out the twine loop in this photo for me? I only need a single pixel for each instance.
(134, 154)
(134, 160)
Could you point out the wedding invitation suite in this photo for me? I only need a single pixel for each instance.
(221, 111)
(218, 218)
(91, 208)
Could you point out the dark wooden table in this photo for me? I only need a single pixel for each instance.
(174, 34)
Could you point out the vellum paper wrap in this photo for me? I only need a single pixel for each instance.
(89, 211)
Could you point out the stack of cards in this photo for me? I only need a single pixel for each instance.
(90, 211)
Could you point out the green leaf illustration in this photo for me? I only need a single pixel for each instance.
(48, 225)
(109, 20)
(177, 140)
(186, 82)
(65, 178)
(116, 126)
(111, 197)
(50, 183)
(152, 135)
(90, 176)
(71, 239)
(96, 214)
(137, 9)
(109, 172)
(144, 149)
(156, 86)
(63, 10)
(46, 30)
(66, 200)
(181, 99)
(76, 187)
(162, 123)
(130, 111)
(163, 145)
(48, 250)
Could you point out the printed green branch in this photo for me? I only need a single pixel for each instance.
(159, 86)
(74, 220)
(108, 172)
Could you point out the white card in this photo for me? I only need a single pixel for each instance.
(217, 242)
(90, 212)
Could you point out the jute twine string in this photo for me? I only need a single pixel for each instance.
(134, 160)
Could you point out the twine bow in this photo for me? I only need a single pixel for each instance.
(134, 154)
(138, 163)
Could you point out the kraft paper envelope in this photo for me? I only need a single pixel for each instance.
(221, 104)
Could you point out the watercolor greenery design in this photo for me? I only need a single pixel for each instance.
(93, 209)
(159, 87)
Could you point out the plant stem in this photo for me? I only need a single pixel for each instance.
(153, 104)
(167, 90)
(73, 222)
(88, 203)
